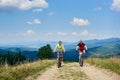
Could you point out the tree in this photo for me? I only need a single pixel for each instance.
(9, 58)
(49, 51)
(45, 52)
(12, 59)
(18, 58)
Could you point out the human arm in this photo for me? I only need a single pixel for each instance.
(55, 48)
(85, 47)
(77, 47)
(63, 47)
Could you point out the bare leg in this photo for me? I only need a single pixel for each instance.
(80, 55)
(80, 58)
(58, 56)
(84, 54)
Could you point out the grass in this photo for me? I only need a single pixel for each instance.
(22, 71)
(112, 64)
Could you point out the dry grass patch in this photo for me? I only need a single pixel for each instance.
(112, 64)
(22, 71)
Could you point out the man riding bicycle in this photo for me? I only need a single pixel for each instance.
(81, 48)
(59, 47)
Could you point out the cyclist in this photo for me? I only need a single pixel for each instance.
(59, 48)
(81, 48)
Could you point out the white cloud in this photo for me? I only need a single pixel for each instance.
(116, 5)
(92, 35)
(24, 4)
(30, 32)
(74, 33)
(35, 21)
(49, 34)
(27, 33)
(87, 33)
(29, 22)
(50, 14)
(98, 8)
(37, 10)
(62, 33)
(80, 22)
(84, 33)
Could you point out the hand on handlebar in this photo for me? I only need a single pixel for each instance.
(54, 51)
(86, 51)
(77, 51)
(64, 51)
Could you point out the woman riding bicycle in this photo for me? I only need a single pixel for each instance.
(59, 48)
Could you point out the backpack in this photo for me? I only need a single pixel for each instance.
(81, 47)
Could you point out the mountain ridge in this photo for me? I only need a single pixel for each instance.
(96, 48)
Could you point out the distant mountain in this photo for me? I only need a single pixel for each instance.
(94, 43)
(107, 50)
(31, 44)
(96, 48)
(30, 53)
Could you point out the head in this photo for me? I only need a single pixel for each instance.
(81, 41)
(60, 42)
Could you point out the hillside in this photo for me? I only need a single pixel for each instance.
(108, 50)
(96, 48)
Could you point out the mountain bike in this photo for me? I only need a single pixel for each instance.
(81, 59)
(60, 58)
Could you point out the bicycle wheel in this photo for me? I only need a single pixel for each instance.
(59, 63)
(81, 62)
(59, 59)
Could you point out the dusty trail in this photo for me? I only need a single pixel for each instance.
(49, 74)
(69, 71)
(95, 73)
(72, 71)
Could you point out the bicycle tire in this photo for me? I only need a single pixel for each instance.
(59, 64)
(81, 62)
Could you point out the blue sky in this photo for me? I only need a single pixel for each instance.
(53, 20)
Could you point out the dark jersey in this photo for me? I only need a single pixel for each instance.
(81, 46)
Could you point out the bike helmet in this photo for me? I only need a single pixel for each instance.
(60, 42)
(81, 41)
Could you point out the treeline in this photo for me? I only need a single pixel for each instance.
(12, 59)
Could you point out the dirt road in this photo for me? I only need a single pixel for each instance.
(72, 71)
